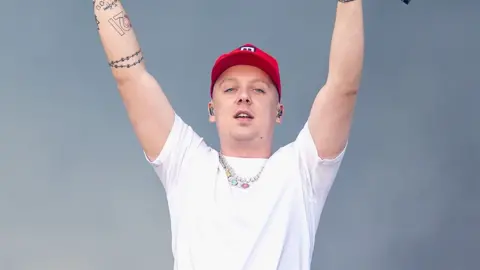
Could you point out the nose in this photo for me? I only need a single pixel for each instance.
(244, 97)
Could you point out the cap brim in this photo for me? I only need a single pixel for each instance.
(242, 58)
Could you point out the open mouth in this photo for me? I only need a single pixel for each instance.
(243, 115)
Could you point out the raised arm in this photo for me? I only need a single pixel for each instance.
(147, 106)
(332, 111)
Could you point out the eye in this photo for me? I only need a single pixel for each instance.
(259, 90)
(228, 90)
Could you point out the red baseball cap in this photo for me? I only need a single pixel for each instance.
(251, 55)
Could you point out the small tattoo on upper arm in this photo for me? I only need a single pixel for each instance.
(121, 23)
(111, 5)
(98, 22)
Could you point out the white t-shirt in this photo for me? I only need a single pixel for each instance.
(271, 225)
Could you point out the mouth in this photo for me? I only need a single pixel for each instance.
(243, 115)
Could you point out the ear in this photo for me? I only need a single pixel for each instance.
(211, 112)
(280, 112)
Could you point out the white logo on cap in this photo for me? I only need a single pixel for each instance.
(247, 48)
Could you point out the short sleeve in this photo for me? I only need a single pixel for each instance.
(181, 144)
(320, 173)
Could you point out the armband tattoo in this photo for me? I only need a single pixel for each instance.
(130, 61)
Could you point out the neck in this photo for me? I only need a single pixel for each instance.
(246, 149)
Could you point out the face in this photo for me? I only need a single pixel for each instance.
(245, 104)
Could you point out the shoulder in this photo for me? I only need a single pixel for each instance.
(301, 157)
(182, 141)
(183, 149)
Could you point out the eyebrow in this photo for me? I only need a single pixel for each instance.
(225, 80)
(269, 84)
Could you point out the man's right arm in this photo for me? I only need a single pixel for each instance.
(148, 108)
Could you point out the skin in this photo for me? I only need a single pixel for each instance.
(331, 114)
(245, 88)
(332, 111)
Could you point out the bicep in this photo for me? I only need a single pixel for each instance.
(330, 120)
(149, 111)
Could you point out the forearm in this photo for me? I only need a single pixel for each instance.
(347, 47)
(118, 39)
(148, 108)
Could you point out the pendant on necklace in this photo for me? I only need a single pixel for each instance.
(233, 181)
(245, 186)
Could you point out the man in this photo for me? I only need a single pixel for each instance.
(243, 207)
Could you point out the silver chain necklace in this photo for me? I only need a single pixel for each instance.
(233, 178)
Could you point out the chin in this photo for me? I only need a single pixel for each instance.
(243, 135)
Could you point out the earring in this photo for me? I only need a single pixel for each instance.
(279, 113)
(210, 110)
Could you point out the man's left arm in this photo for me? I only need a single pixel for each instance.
(332, 111)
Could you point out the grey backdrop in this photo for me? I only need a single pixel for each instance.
(76, 192)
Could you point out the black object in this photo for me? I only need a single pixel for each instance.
(406, 1)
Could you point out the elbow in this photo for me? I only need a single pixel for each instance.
(348, 84)
(347, 88)
(352, 91)
(127, 77)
